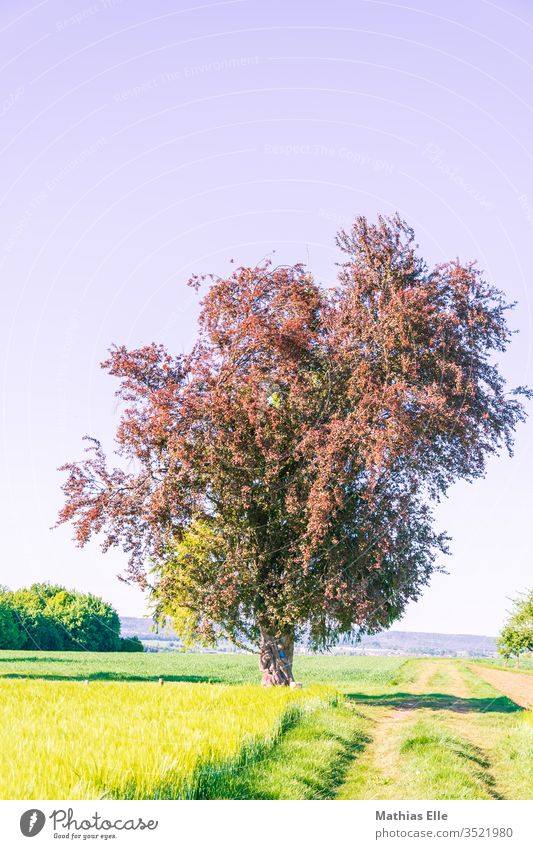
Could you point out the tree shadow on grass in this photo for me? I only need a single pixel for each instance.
(437, 701)
(113, 676)
(35, 659)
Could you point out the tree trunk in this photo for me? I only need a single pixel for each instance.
(275, 659)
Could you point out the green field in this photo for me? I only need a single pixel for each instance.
(525, 665)
(361, 728)
(187, 667)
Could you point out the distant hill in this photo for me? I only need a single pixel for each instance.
(386, 643)
(419, 642)
(131, 626)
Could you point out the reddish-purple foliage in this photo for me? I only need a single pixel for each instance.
(284, 468)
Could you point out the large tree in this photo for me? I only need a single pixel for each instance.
(280, 476)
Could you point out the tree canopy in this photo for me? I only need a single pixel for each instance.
(278, 479)
(46, 616)
(516, 637)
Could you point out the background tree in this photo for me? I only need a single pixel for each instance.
(281, 474)
(53, 618)
(516, 637)
(37, 630)
(11, 635)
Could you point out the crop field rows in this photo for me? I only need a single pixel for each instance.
(97, 725)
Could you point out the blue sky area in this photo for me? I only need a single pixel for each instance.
(143, 142)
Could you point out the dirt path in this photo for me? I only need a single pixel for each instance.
(406, 708)
(380, 772)
(457, 684)
(517, 686)
(428, 668)
(381, 757)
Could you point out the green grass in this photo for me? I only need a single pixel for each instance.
(505, 735)
(209, 728)
(368, 728)
(341, 672)
(443, 766)
(111, 666)
(309, 761)
(526, 664)
(455, 737)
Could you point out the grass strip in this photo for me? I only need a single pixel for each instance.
(444, 766)
(309, 760)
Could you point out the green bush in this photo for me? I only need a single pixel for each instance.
(53, 618)
(131, 644)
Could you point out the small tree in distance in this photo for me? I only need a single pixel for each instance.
(282, 473)
(516, 637)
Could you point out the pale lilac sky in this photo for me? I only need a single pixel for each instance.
(143, 141)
